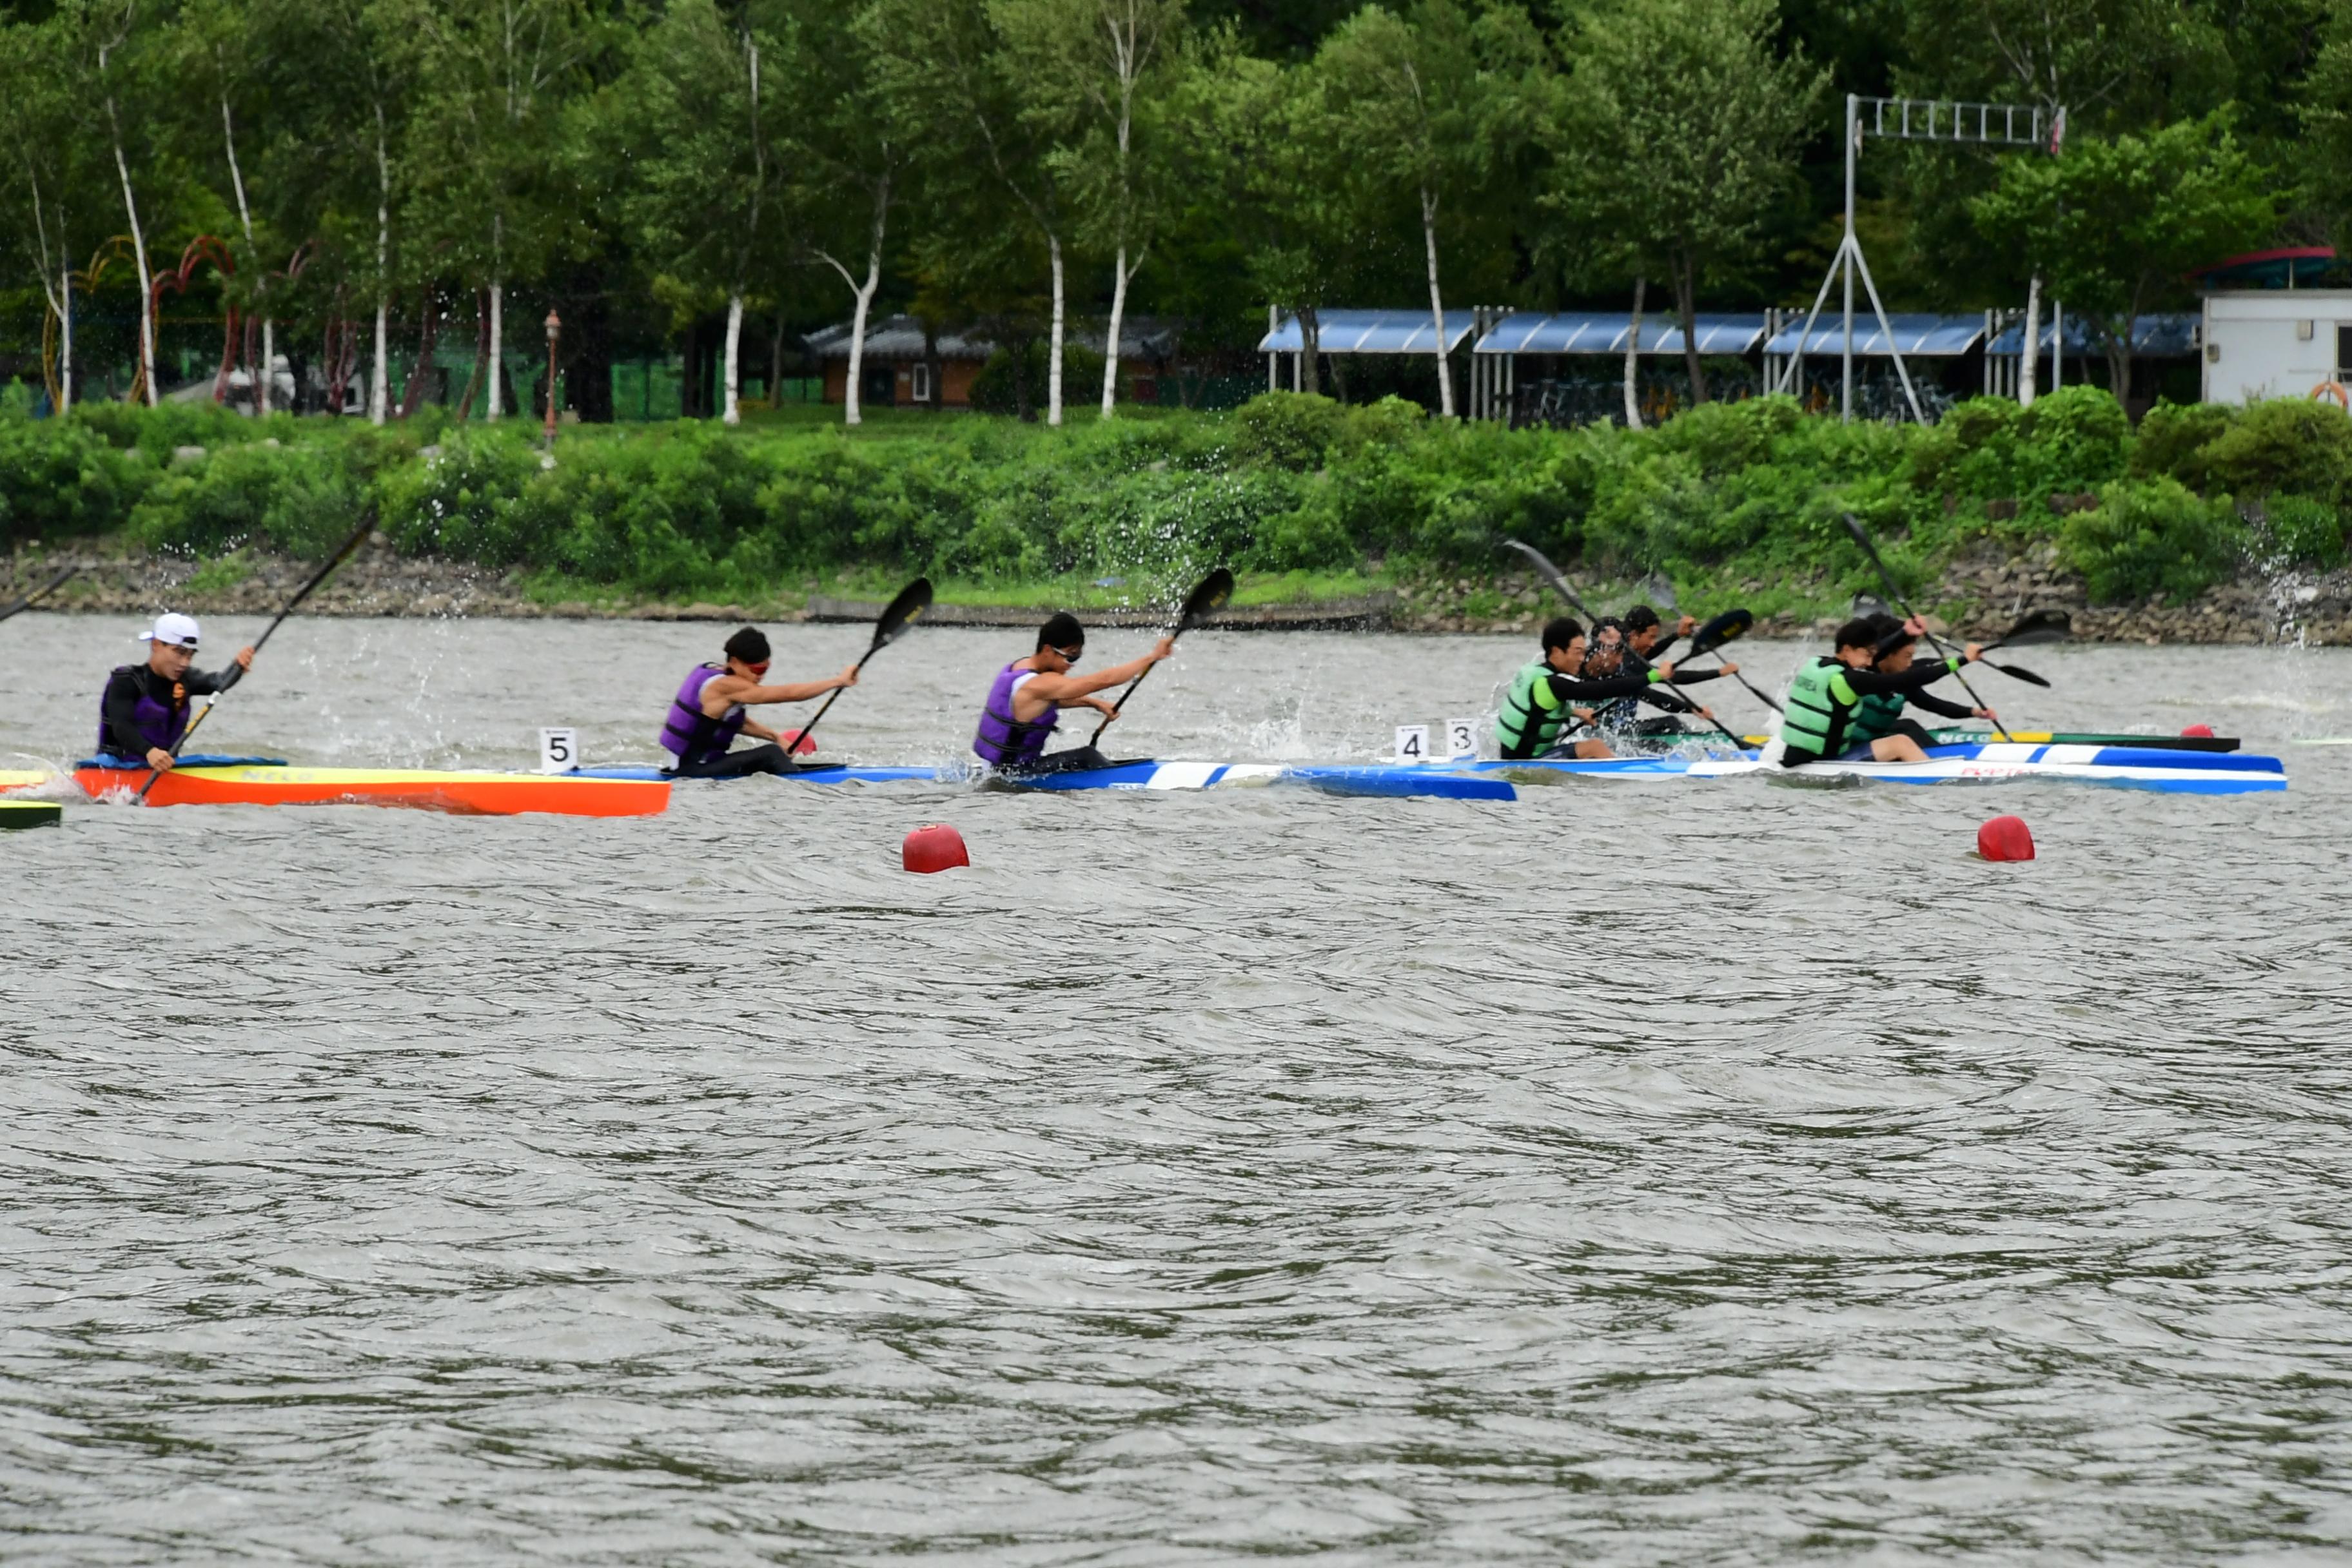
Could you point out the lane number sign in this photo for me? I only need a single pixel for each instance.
(559, 751)
(1412, 743)
(1461, 739)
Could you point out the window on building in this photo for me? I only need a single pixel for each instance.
(2344, 353)
(922, 383)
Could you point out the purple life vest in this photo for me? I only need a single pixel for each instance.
(161, 725)
(1004, 740)
(690, 735)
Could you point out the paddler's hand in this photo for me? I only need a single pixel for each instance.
(1973, 652)
(161, 760)
(245, 659)
(1915, 627)
(1984, 713)
(1728, 668)
(1582, 715)
(1101, 707)
(1685, 627)
(1667, 671)
(1165, 647)
(846, 678)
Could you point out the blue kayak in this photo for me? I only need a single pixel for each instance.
(1370, 779)
(2120, 767)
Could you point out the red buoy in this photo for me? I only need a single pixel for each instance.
(2201, 732)
(795, 744)
(2005, 838)
(934, 847)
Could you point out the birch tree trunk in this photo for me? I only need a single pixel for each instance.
(1054, 339)
(1437, 302)
(498, 353)
(65, 341)
(138, 252)
(380, 374)
(245, 216)
(853, 409)
(1119, 276)
(1687, 311)
(733, 411)
(1633, 358)
(2029, 362)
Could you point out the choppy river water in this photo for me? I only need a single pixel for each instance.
(1702, 1173)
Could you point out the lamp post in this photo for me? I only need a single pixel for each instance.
(554, 329)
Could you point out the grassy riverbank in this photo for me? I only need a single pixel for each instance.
(1306, 498)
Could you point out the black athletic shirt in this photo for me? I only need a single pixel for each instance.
(118, 733)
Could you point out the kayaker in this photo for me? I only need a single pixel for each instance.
(707, 714)
(1646, 637)
(145, 711)
(1880, 714)
(1828, 691)
(1025, 701)
(1549, 691)
(1612, 653)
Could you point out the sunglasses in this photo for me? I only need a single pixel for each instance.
(1073, 654)
(759, 668)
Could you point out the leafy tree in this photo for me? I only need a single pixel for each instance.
(1426, 103)
(54, 202)
(1676, 139)
(2117, 223)
(1097, 70)
(712, 117)
(851, 157)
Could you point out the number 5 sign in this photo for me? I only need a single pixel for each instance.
(559, 751)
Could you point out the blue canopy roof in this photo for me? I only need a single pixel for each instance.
(2167, 332)
(1603, 332)
(1917, 335)
(1369, 333)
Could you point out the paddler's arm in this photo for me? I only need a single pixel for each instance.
(1072, 690)
(1867, 681)
(1939, 706)
(205, 682)
(1582, 689)
(722, 692)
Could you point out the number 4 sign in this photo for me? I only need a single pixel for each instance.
(559, 751)
(1412, 743)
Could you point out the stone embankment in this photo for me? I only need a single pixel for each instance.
(1984, 591)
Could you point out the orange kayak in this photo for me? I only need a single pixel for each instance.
(423, 789)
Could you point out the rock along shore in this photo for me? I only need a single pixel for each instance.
(1982, 592)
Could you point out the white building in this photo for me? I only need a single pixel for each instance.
(2277, 342)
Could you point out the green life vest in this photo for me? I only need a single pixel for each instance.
(1821, 701)
(1531, 716)
(1874, 716)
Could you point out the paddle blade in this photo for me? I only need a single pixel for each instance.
(913, 601)
(2014, 673)
(1552, 574)
(2037, 628)
(1728, 626)
(1868, 604)
(1217, 590)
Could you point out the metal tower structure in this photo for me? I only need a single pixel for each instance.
(1908, 120)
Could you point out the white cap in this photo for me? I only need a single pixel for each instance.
(178, 631)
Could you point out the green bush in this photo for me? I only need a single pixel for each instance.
(2150, 537)
(2306, 532)
(299, 499)
(59, 478)
(2176, 441)
(2285, 446)
(1288, 429)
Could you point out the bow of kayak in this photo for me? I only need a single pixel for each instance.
(462, 793)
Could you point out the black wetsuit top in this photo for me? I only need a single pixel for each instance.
(120, 732)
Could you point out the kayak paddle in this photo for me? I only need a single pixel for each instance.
(1552, 574)
(43, 592)
(236, 672)
(1204, 601)
(913, 601)
(1862, 537)
(1725, 628)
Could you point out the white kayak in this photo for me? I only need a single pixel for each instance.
(1992, 762)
